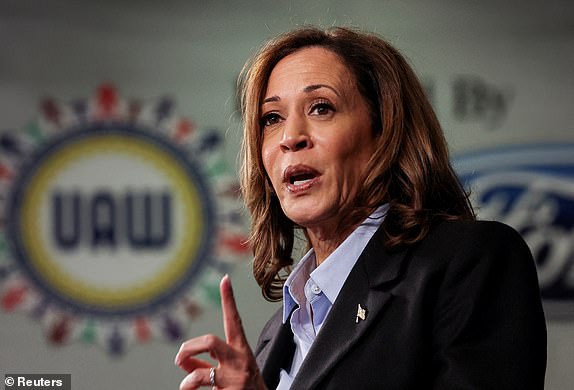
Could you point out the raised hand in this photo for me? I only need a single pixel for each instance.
(236, 367)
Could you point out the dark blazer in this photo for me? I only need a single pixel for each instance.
(459, 310)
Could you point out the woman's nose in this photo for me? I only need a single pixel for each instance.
(295, 137)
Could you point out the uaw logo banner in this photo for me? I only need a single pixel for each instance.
(532, 189)
(118, 218)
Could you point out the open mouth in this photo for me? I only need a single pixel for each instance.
(302, 178)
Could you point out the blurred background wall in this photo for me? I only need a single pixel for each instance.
(499, 74)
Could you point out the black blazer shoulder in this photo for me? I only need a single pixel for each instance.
(460, 309)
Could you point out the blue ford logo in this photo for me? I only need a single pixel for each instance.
(530, 188)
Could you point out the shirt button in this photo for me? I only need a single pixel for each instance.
(316, 289)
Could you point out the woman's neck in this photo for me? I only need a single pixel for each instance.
(324, 242)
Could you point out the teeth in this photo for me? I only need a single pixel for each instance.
(299, 182)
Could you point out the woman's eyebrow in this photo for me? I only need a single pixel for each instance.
(313, 87)
(271, 99)
(307, 89)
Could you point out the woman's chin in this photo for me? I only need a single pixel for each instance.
(311, 218)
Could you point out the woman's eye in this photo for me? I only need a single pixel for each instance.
(270, 119)
(321, 109)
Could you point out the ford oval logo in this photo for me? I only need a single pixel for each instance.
(530, 188)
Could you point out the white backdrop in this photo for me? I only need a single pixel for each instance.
(519, 53)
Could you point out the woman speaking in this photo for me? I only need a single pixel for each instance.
(401, 287)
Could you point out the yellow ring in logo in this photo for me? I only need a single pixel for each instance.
(88, 293)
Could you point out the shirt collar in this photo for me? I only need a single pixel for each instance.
(296, 282)
(332, 273)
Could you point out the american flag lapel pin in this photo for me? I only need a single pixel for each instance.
(361, 314)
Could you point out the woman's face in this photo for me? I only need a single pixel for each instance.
(317, 137)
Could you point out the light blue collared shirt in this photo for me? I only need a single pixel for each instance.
(310, 291)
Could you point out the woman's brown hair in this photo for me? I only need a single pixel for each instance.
(409, 170)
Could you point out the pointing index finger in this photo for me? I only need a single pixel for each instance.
(232, 325)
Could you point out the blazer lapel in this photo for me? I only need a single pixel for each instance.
(343, 328)
(278, 351)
